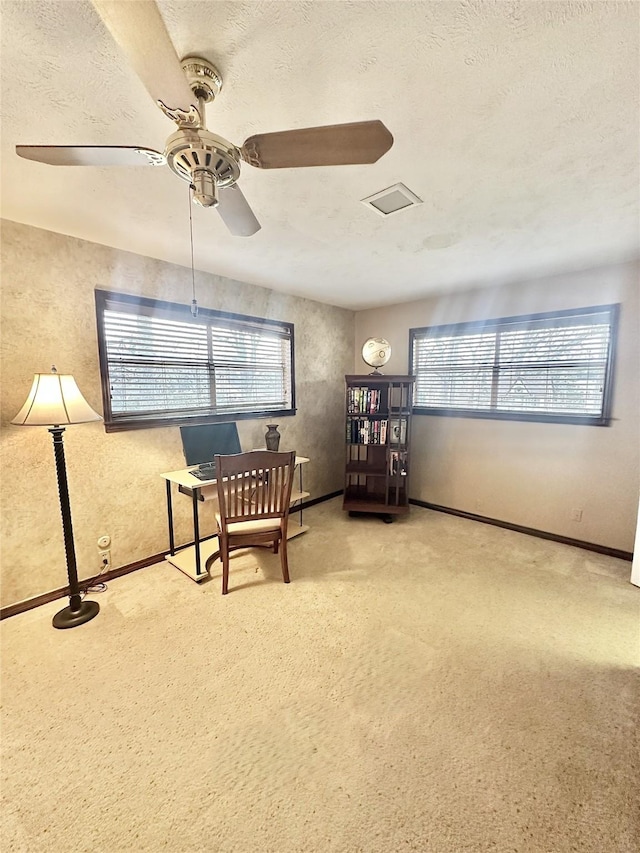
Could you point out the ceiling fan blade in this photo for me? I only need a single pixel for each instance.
(138, 29)
(331, 145)
(236, 213)
(91, 155)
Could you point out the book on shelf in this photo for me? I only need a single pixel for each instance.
(398, 431)
(398, 463)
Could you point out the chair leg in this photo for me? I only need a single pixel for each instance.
(284, 562)
(224, 555)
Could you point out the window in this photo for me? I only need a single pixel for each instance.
(162, 366)
(553, 367)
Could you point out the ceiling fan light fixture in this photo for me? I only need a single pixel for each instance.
(205, 191)
(392, 200)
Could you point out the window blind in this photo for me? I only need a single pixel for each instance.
(554, 366)
(159, 364)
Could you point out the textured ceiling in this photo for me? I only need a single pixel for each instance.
(516, 123)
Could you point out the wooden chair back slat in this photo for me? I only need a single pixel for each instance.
(254, 484)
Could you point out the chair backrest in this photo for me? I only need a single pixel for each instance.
(256, 484)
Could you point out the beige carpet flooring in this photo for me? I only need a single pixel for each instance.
(431, 685)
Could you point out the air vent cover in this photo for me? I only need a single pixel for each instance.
(392, 200)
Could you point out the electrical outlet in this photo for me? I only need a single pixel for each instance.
(105, 560)
(576, 515)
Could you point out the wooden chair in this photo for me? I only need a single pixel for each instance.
(254, 490)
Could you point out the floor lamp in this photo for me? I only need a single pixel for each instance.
(55, 401)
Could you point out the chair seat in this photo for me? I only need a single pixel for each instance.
(260, 525)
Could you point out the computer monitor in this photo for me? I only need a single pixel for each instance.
(201, 443)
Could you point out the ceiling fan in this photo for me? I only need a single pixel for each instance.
(208, 162)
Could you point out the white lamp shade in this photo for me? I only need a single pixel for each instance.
(55, 399)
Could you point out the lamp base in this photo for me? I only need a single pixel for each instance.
(68, 618)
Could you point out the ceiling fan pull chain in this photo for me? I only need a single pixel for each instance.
(194, 304)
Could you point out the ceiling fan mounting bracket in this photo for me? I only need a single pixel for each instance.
(203, 77)
(154, 158)
(205, 82)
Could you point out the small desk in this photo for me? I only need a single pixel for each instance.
(192, 559)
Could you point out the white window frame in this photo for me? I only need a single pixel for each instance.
(474, 371)
(224, 381)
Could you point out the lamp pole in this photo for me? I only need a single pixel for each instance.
(78, 611)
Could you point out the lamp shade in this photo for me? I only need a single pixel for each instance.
(54, 400)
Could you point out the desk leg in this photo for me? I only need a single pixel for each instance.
(300, 475)
(172, 546)
(196, 531)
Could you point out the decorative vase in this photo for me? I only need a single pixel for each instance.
(272, 437)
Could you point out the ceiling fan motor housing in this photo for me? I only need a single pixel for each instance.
(205, 160)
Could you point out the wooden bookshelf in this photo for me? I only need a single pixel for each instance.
(377, 436)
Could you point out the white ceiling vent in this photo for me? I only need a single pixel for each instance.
(392, 200)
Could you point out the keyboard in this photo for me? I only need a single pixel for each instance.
(205, 472)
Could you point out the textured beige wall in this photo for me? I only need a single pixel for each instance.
(48, 316)
(528, 473)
